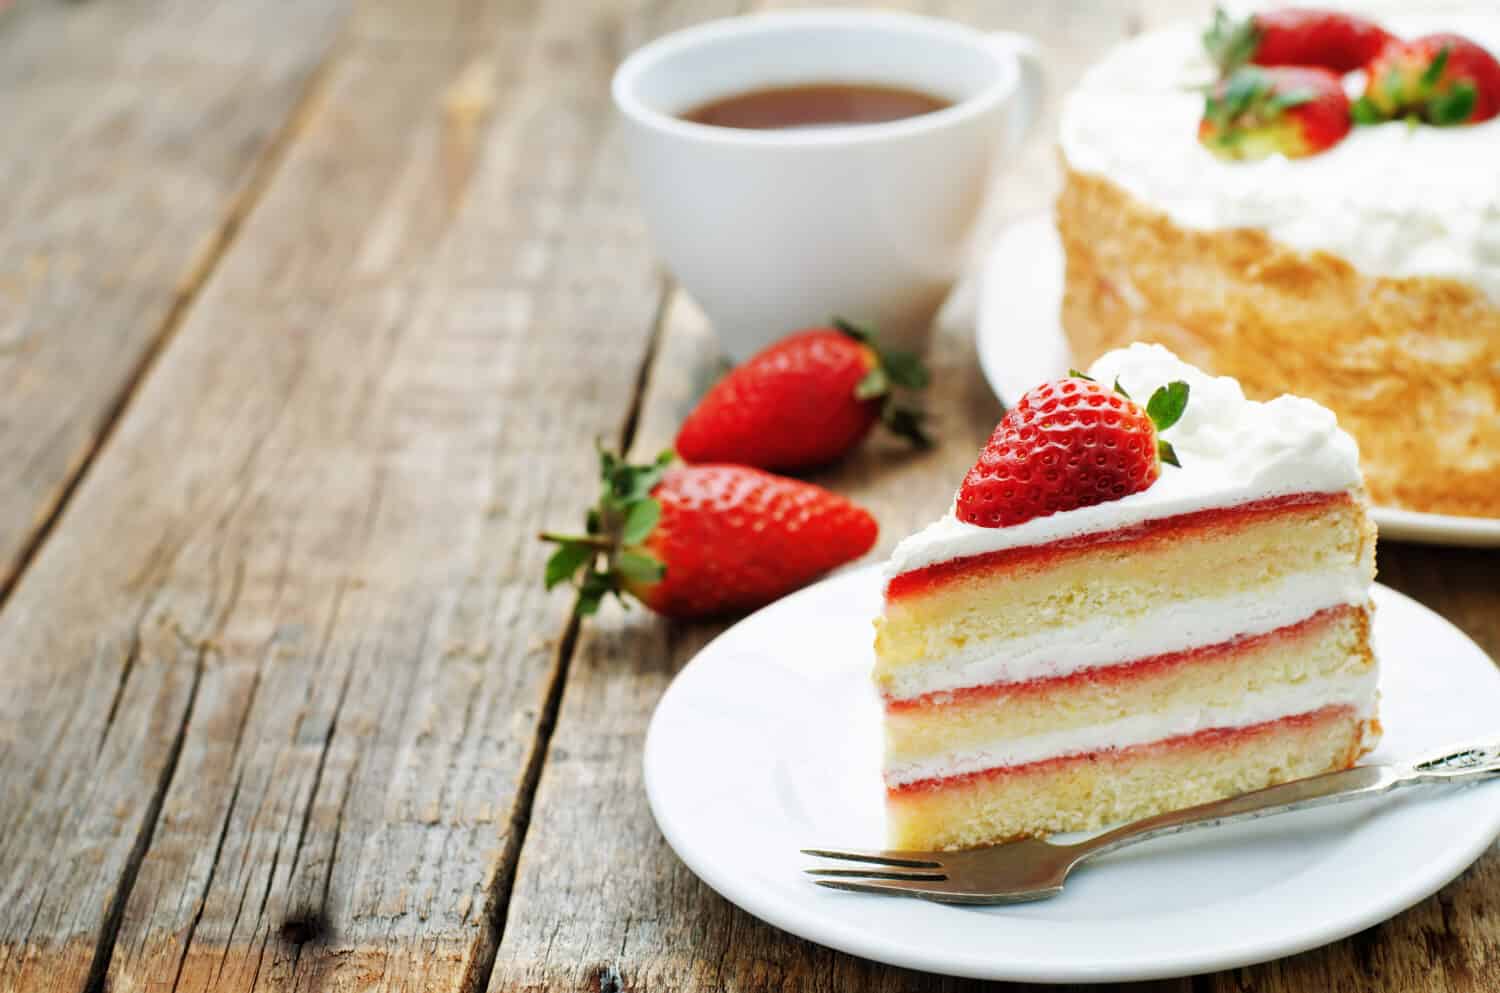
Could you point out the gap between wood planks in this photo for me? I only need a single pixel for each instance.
(504, 883)
(239, 207)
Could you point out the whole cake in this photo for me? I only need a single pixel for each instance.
(1091, 636)
(1356, 263)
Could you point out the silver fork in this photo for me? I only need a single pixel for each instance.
(1032, 869)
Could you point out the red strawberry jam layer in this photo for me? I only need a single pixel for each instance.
(1210, 738)
(1124, 672)
(1179, 527)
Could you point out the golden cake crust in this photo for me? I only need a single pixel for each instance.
(1411, 366)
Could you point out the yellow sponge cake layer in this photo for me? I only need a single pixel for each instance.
(959, 604)
(1331, 645)
(1083, 792)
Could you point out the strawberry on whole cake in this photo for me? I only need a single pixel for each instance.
(1307, 200)
(1150, 592)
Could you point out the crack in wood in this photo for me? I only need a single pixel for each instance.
(305, 925)
(265, 899)
(609, 980)
(239, 207)
(482, 965)
(213, 868)
(239, 910)
(648, 359)
(104, 945)
(338, 833)
(35, 915)
(127, 666)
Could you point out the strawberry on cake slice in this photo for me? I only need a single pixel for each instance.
(1150, 592)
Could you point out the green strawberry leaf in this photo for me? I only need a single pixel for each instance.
(603, 560)
(908, 423)
(1120, 389)
(1165, 452)
(1289, 99)
(592, 590)
(626, 484)
(1364, 111)
(875, 383)
(566, 561)
(906, 370)
(639, 567)
(1453, 107)
(1395, 90)
(893, 370)
(1435, 68)
(1075, 374)
(1167, 404)
(639, 520)
(1245, 87)
(1230, 43)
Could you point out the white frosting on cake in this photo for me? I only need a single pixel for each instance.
(1232, 451)
(1357, 691)
(1391, 199)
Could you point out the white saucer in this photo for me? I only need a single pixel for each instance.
(768, 742)
(1021, 345)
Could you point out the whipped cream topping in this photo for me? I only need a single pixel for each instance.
(1357, 691)
(1391, 199)
(1233, 450)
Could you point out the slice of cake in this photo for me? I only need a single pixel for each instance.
(1366, 276)
(1092, 636)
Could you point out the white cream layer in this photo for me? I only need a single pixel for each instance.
(1232, 451)
(1111, 640)
(1392, 200)
(1358, 691)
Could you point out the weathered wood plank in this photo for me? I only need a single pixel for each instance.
(135, 135)
(294, 603)
(600, 902)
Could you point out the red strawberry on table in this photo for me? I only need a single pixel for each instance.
(1441, 79)
(1286, 110)
(697, 541)
(1067, 444)
(1294, 36)
(804, 401)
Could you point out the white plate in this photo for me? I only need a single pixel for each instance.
(768, 742)
(1021, 344)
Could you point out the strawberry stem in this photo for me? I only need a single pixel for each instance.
(610, 558)
(580, 539)
(1231, 43)
(894, 371)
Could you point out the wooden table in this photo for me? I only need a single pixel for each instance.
(308, 316)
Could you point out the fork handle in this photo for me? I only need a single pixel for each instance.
(1463, 764)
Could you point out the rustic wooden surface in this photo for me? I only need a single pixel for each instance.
(308, 315)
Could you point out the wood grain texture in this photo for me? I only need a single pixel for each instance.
(293, 608)
(600, 902)
(279, 689)
(135, 134)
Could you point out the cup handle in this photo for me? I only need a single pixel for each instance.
(1032, 86)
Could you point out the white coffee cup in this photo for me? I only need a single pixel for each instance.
(775, 230)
